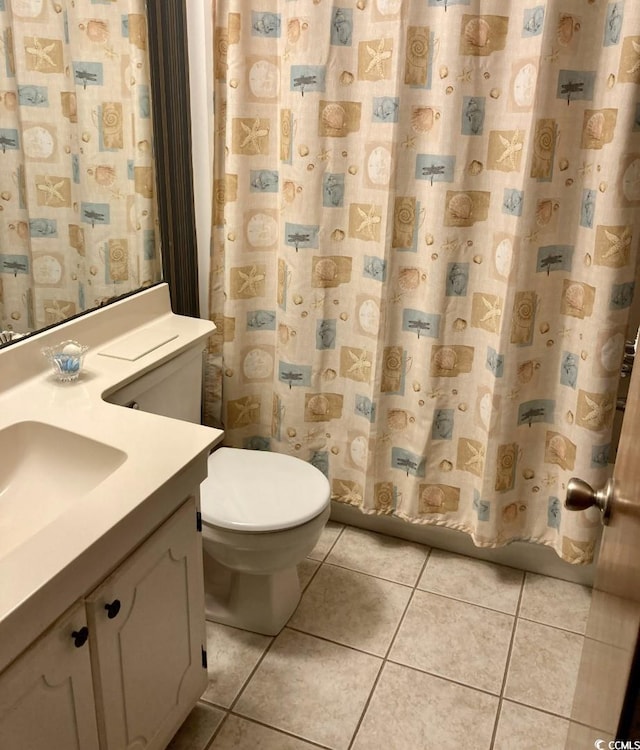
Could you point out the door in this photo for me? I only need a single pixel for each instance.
(147, 634)
(606, 700)
(46, 696)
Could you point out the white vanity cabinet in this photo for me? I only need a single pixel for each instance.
(133, 681)
(147, 635)
(46, 696)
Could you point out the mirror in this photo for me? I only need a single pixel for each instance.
(174, 226)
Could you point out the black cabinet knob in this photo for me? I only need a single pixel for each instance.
(80, 636)
(113, 608)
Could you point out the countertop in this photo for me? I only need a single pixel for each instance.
(166, 459)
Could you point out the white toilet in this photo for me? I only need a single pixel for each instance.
(262, 513)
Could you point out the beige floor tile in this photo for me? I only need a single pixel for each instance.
(555, 602)
(240, 734)
(411, 710)
(380, 555)
(581, 737)
(473, 581)
(197, 729)
(351, 608)
(231, 656)
(327, 539)
(306, 569)
(312, 688)
(544, 667)
(528, 729)
(455, 640)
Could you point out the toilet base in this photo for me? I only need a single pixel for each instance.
(260, 603)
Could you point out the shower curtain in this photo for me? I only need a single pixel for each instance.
(424, 250)
(77, 204)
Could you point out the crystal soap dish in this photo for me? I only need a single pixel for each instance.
(66, 359)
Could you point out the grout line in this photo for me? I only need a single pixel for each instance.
(370, 575)
(554, 627)
(406, 609)
(332, 642)
(365, 708)
(300, 737)
(375, 682)
(386, 656)
(494, 733)
(209, 745)
(507, 664)
(466, 685)
(466, 601)
(313, 575)
(213, 704)
(536, 708)
(253, 671)
(333, 543)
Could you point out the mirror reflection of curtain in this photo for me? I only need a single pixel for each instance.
(78, 215)
(425, 245)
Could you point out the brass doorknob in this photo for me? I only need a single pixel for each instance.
(581, 496)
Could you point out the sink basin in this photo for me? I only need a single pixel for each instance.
(44, 470)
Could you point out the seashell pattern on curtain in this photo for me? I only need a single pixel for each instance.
(425, 250)
(77, 186)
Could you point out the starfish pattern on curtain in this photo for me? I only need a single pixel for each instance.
(425, 243)
(77, 182)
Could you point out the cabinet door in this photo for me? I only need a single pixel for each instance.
(147, 633)
(46, 696)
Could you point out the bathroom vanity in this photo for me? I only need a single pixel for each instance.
(102, 639)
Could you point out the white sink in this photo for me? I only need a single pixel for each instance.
(44, 470)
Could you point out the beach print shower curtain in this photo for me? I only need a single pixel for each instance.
(77, 202)
(424, 253)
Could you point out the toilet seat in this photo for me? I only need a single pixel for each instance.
(261, 491)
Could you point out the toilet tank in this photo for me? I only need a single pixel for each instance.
(172, 389)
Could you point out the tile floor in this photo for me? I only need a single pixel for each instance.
(397, 646)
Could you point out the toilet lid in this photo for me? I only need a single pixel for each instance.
(261, 491)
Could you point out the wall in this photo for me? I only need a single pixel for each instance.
(199, 31)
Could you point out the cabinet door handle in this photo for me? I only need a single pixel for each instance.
(113, 608)
(80, 636)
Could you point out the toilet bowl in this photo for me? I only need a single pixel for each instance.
(262, 513)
